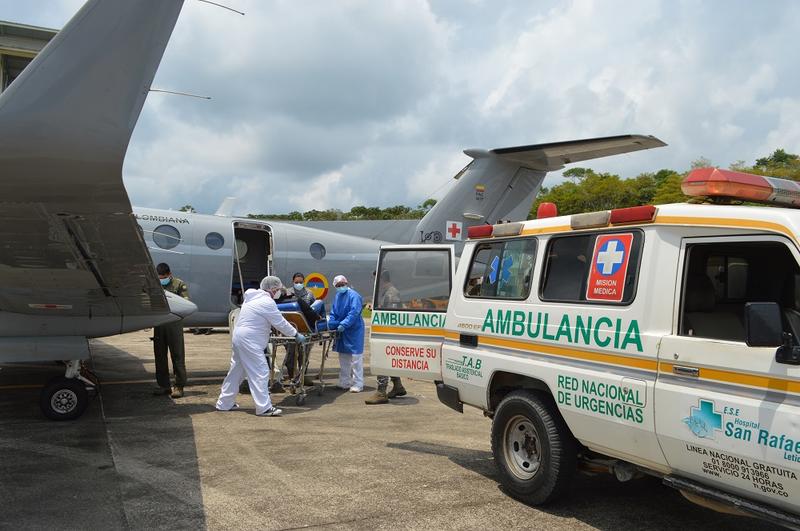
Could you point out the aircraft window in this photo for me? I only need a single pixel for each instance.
(214, 240)
(502, 270)
(317, 251)
(166, 236)
(241, 249)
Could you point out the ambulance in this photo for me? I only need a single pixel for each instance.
(653, 340)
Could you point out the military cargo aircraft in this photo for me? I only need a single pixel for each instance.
(218, 256)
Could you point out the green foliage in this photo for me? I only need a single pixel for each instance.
(778, 159)
(779, 164)
(587, 191)
(702, 162)
(356, 213)
(669, 191)
(583, 191)
(590, 191)
(187, 208)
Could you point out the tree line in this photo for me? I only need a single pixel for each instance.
(354, 214)
(588, 191)
(584, 190)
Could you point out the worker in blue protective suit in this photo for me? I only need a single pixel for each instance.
(345, 318)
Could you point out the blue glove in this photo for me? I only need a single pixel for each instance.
(300, 338)
(340, 329)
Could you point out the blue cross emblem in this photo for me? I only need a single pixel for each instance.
(505, 273)
(610, 257)
(704, 420)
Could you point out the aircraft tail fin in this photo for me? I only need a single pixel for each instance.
(226, 207)
(80, 97)
(501, 184)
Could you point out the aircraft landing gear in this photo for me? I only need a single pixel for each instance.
(66, 397)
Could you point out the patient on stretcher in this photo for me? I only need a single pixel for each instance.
(304, 316)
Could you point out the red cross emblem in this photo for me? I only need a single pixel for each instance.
(453, 230)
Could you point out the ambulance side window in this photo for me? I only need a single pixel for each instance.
(592, 268)
(720, 278)
(413, 280)
(502, 269)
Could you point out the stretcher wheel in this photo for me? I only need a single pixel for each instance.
(301, 399)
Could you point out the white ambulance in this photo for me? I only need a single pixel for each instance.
(647, 340)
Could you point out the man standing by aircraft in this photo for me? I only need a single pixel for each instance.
(258, 315)
(170, 337)
(388, 298)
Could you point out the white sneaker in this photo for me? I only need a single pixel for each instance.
(355, 389)
(271, 412)
(340, 386)
(233, 408)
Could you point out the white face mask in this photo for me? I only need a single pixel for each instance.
(298, 287)
(276, 294)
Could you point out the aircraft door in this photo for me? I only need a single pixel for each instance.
(252, 257)
(412, 290)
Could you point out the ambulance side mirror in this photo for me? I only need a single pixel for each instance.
(763, 324)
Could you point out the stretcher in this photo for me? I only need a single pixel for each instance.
(309, 321)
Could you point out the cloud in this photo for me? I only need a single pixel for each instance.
(333, 104)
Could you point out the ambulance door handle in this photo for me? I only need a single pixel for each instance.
(467, 340)
(686, 371)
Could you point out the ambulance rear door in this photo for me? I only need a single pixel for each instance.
(412, 290)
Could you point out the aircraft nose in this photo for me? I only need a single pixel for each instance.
(180, 306)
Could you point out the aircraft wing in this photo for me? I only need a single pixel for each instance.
(553, 156)
(69, 244)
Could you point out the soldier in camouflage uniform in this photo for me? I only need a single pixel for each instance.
(389, 297)
(170, 337)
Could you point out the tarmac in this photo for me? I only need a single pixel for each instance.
(138, 461)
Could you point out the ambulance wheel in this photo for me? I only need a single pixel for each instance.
(64, 399)
(533, 449)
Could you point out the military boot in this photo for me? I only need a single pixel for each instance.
(380, 396)
(397, 388)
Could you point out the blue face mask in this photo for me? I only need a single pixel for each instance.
(165, 281)
(342, 289)
(298, 287)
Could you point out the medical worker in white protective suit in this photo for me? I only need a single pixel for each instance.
(258, 315)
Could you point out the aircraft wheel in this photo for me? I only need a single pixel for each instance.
(64, 399)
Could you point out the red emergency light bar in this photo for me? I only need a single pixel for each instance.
(637, 214)
(499, 230)
(479, 231)
(714, 182)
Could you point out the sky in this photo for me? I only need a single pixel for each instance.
(330, 104)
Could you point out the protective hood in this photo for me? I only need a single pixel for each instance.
(253, 294)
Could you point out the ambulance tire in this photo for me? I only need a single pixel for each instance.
(528, 428)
